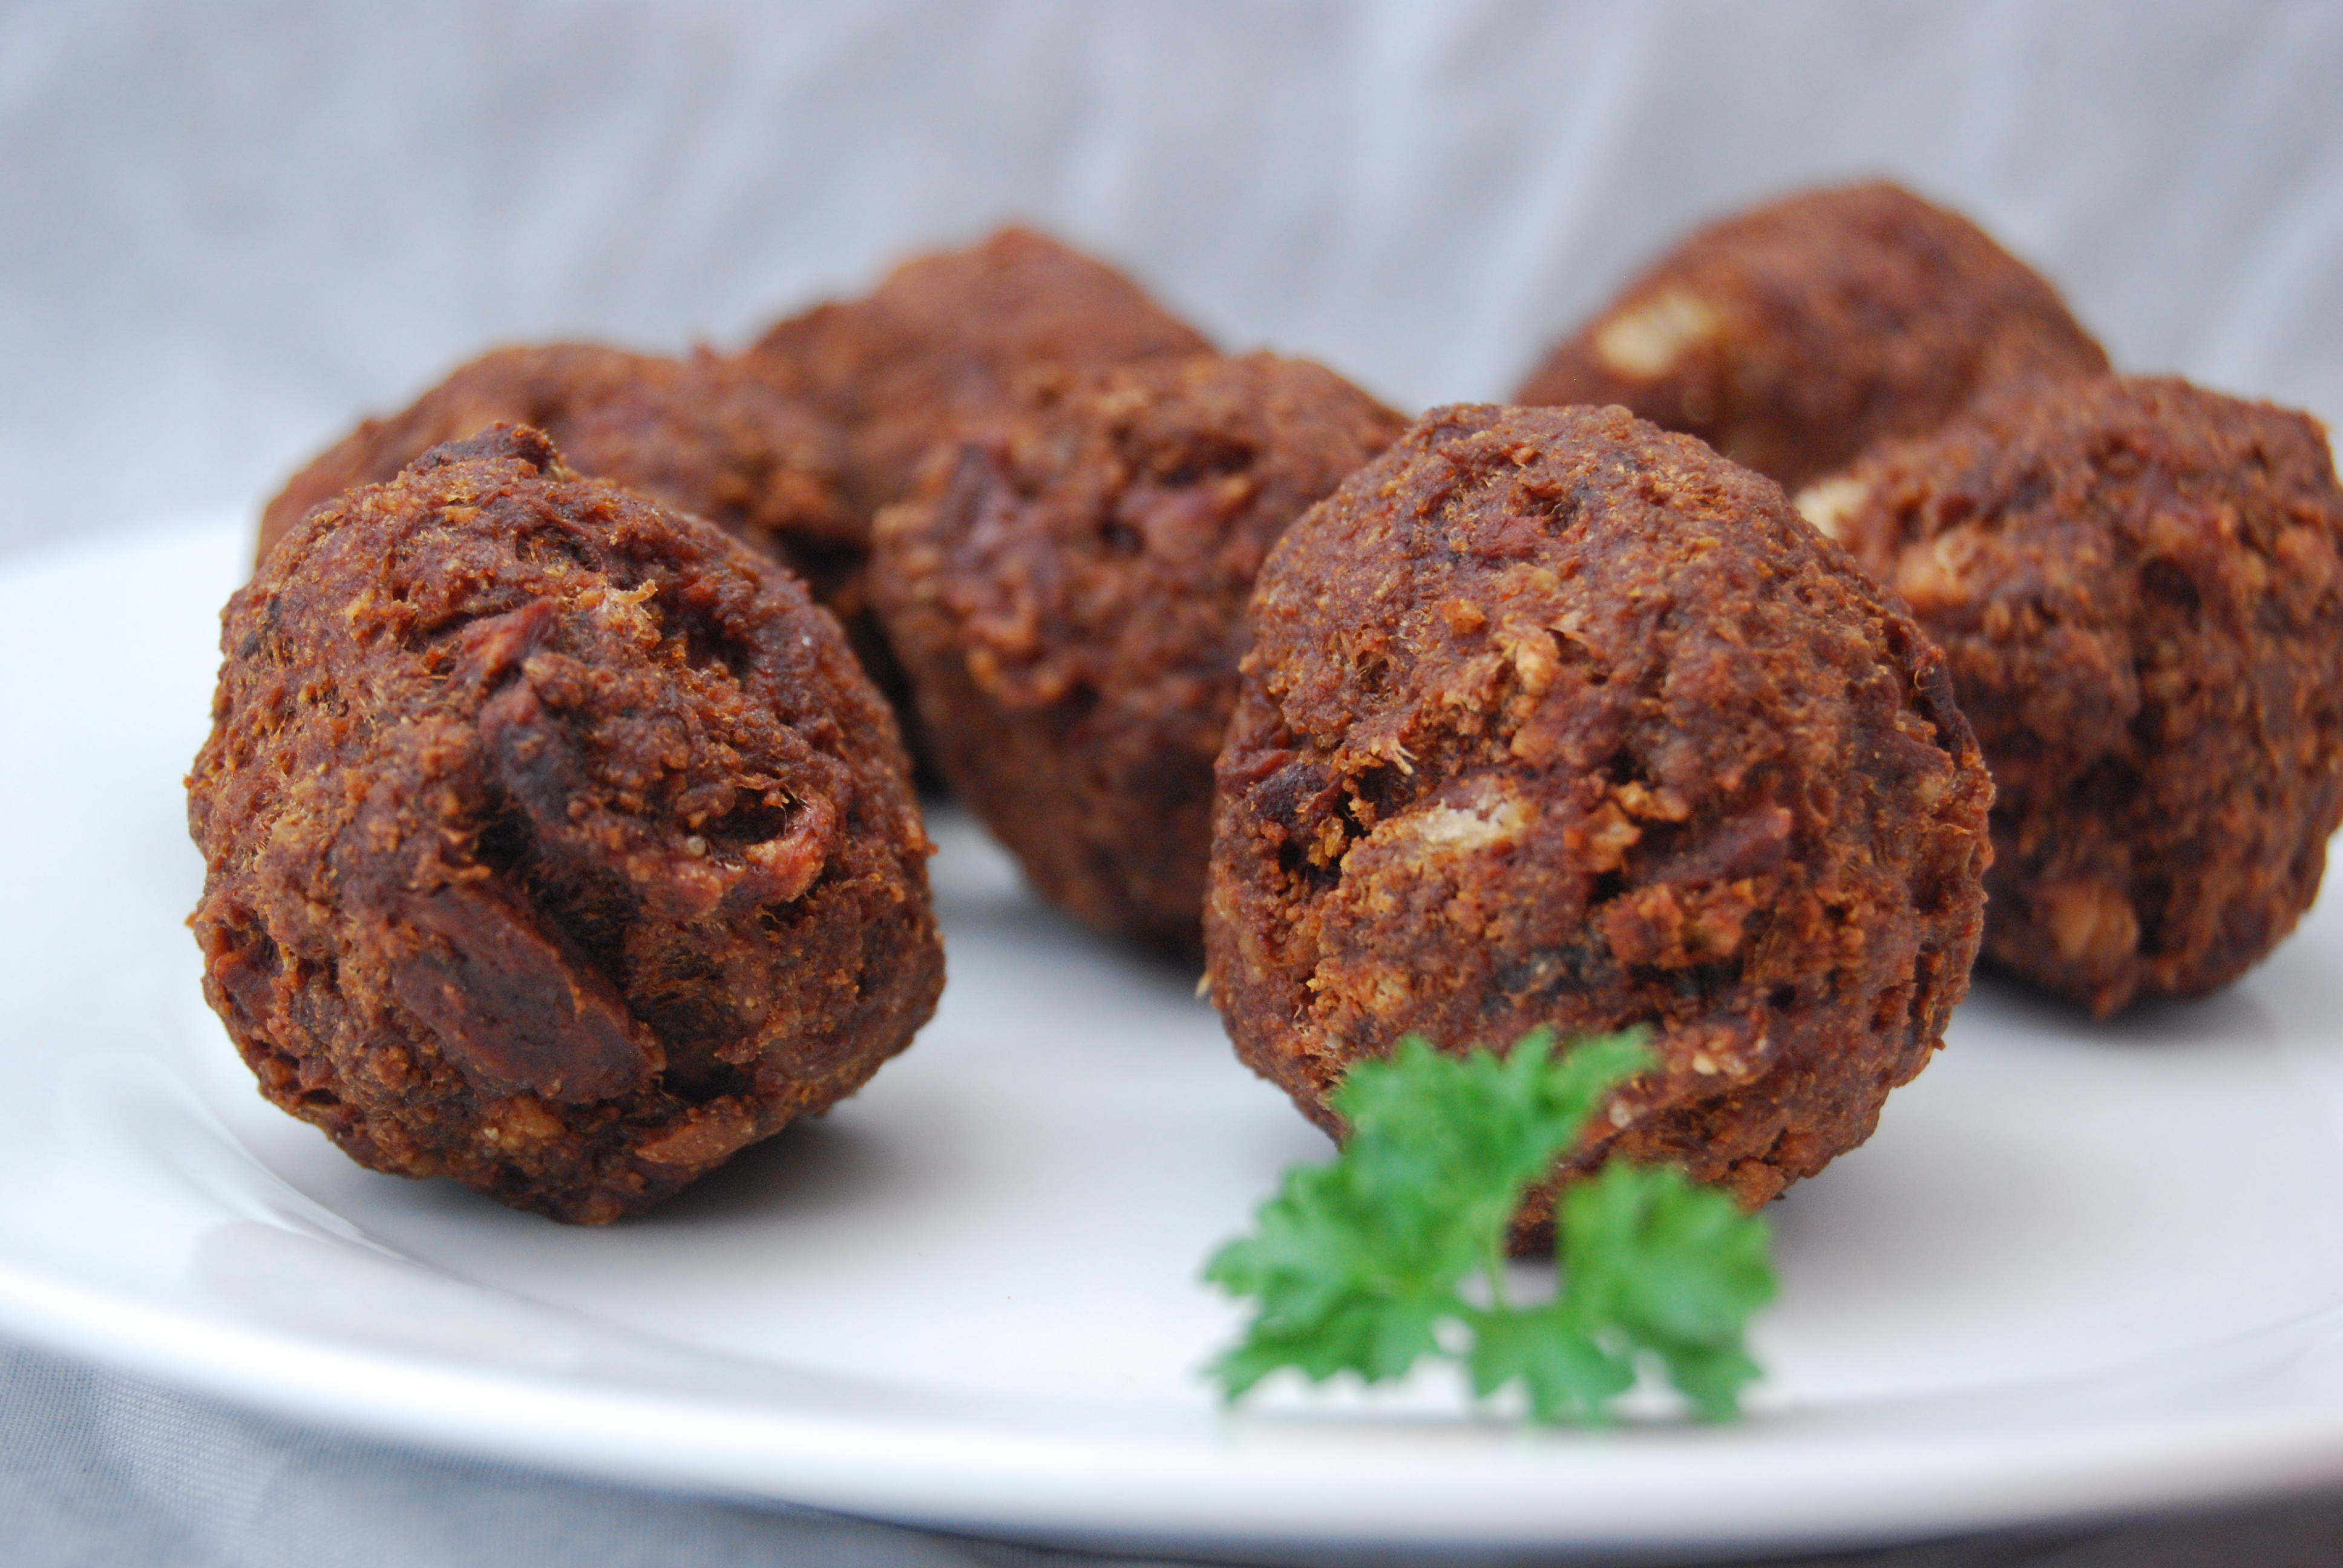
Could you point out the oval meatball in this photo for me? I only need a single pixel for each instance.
(1551, 718)
(1068, 593)
(554, 841)
(1791, 337)
(2137, 586)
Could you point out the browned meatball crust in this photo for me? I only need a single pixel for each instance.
(1553, 718)
(1068, 592)
(555, 842)
(946, 336)
(2137, 587)
(1791, 337)
(703, 434)
(945, 339)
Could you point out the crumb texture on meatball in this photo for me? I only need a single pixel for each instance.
(2137, 586)
(554, 840)
(945, 337)
(1553, 718)
(704, 435)
(1068, 592)
(1791, 337)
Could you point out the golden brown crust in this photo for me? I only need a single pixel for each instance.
(555, 842)
(1791, 337)
(1551, 718)
(1067, 589)
(2138, 586)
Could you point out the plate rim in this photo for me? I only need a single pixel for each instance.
(1965, 1481)
(768, 1455)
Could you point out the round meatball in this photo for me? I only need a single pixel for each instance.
(554, 840)
(945, 337)
(2136, 583)
(703, 434)
(1068, 592)
(1792, 337)
(1553, 718)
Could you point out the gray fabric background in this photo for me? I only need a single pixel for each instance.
(228, 229)
(231, 228)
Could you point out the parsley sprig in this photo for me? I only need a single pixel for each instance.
(1358, 1265)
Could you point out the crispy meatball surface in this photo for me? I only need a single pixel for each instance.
(2136, 583)
(1792, 337)
(1068, 592)
(1551, 718)
(703, 434)
(945, 337)
(555, 842)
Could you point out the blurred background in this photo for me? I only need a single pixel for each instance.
(231, 228)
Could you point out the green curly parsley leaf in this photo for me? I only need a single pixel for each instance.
(1354, 1266)
(1567, 1376)
(1657, 1265)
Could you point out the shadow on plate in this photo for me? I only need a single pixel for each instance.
(812, 1165)
(2005, 1005)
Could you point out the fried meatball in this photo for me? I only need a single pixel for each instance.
(1551, 718)
(2136, 586)
(1792, 337)
(1068, 592)
(945, 337)
(703, 434)
(554, 840)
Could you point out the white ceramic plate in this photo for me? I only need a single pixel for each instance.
(2079, 1268)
